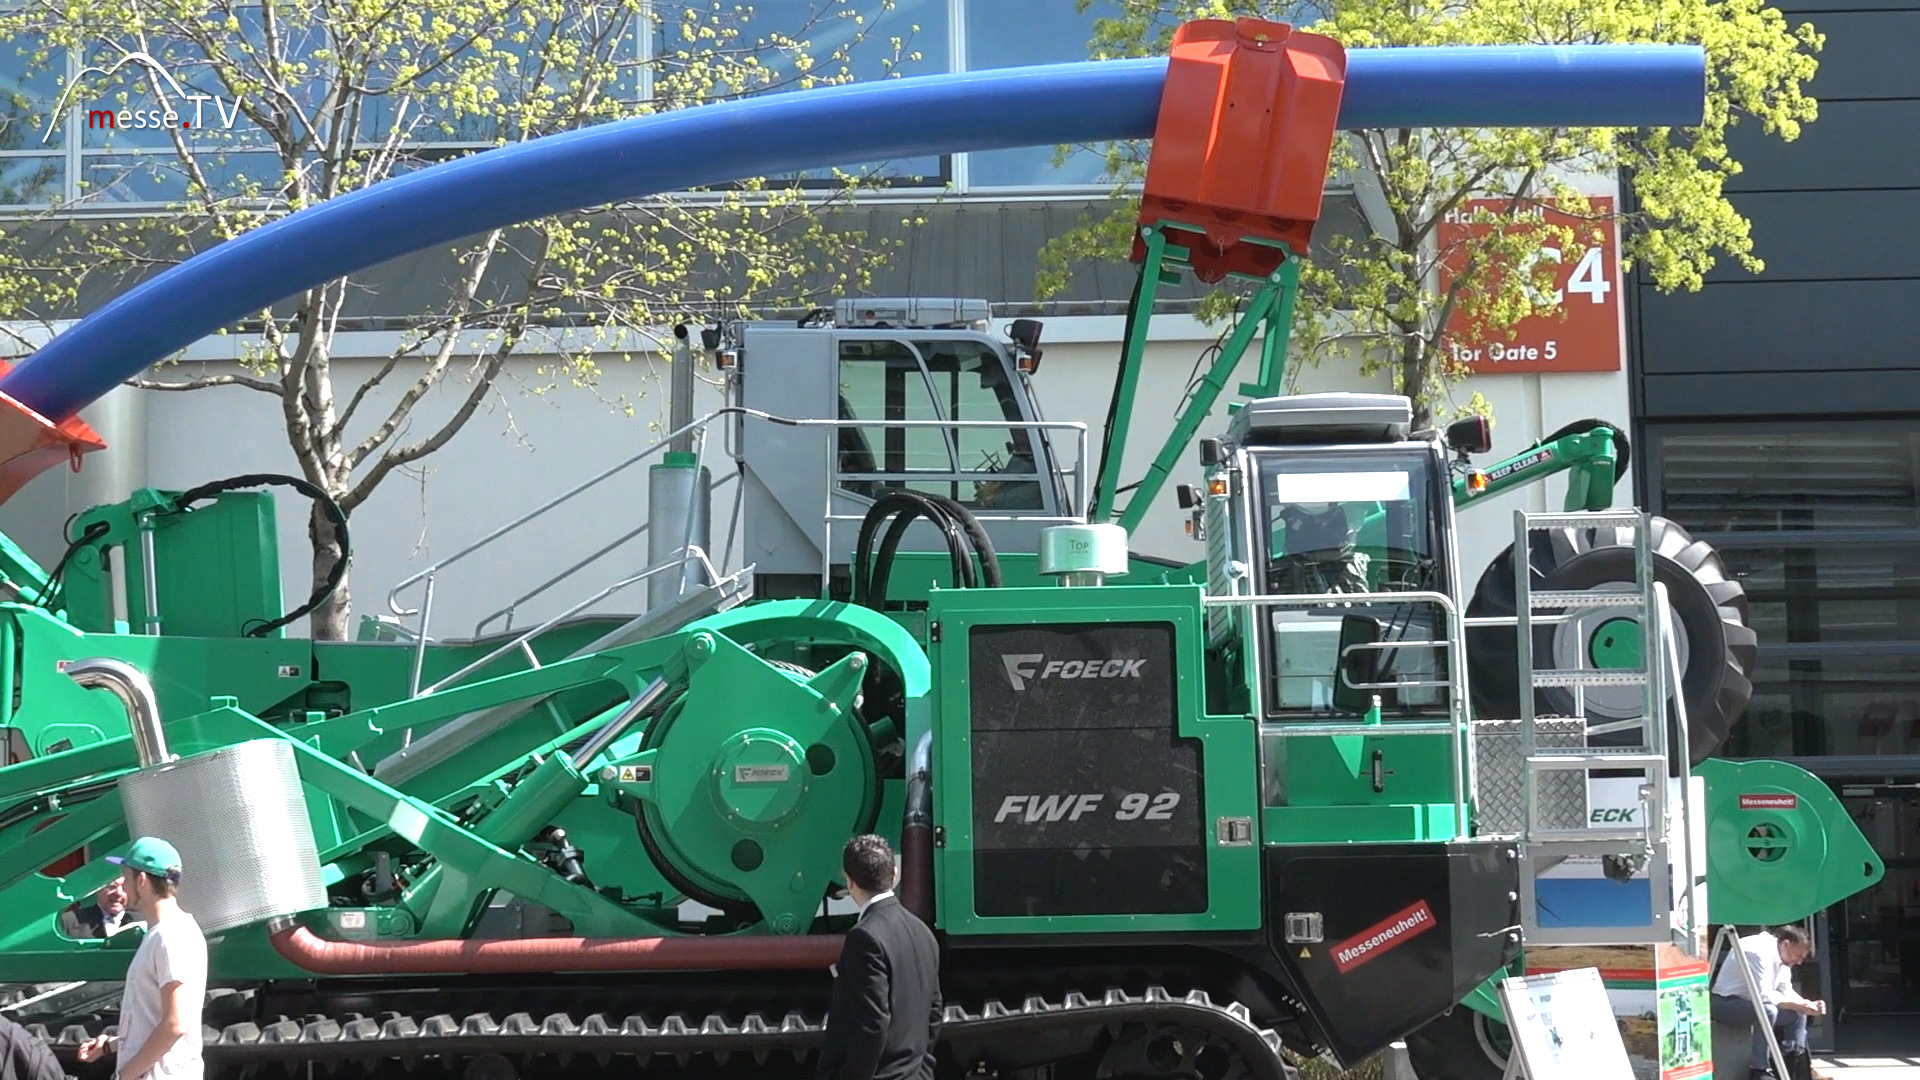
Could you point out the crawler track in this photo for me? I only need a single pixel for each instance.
(1148, 1034)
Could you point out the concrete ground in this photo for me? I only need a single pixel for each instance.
(1847, 1066)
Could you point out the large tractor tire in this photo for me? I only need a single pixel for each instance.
(1717, 649)
(1461, 1045)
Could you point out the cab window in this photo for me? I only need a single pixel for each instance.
(972, 382)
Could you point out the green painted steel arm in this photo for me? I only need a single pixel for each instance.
(1270, 308)
(1591, 457)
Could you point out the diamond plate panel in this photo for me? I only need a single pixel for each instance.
(1562, 793)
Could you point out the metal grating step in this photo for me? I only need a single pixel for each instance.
(1557, 598)
(1604, 838)
(1594, 520)
(1594, 677)
(1597, 758)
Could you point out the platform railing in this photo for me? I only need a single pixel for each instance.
(1038, 476)
(1455, 727)
(427, 579)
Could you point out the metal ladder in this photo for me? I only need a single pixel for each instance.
(1649, 755)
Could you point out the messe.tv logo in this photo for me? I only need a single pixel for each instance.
(176, 109)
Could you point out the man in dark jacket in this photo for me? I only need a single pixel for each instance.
(105, 917)
(23, 1057)
(886, 1004)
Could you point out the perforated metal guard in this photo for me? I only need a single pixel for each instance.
(1562, 793)
(239, 820)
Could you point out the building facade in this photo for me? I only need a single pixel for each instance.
(1781, 419)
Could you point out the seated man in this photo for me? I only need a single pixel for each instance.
(105, 917)
(1771, 957)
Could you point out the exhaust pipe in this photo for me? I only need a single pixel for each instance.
(126, 682)
(453, 956)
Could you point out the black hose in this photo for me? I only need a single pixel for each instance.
(966, 539)
(882, 508)
(908, 504)
(326, 505)
(959, 558)
(982, 543)
(960, 561)
(1119, 378)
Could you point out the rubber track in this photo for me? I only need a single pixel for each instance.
(361, 1038)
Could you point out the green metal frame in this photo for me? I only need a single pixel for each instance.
(1271, 309)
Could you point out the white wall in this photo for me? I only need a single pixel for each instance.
(524, 448)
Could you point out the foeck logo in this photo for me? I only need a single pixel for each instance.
(1024, 666)
(175, 108)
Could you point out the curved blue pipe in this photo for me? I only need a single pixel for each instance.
(1499, 86)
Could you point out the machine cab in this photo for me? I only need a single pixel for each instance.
(1329, 495)
(900, 394)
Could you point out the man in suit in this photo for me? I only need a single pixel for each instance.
(105, 917)
(886, 1004)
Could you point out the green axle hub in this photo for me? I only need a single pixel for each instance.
(1616, 643)
(748, 785)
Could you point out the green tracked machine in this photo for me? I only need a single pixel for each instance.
(1309, 795)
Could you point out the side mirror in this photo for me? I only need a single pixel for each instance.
(1470, 436)
(1359, 666)
(1211, 453)
(1025, 334)
(1187, 495)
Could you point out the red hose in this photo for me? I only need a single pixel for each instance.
(452, 956)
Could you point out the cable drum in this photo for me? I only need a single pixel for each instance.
(239, 819)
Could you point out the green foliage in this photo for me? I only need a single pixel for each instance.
(1373, 295)
(347, 93)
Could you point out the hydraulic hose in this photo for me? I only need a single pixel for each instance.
(982, 543)
(457, 956)
(869, 587)
(961, 561)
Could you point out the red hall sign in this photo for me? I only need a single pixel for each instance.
(1580, 331)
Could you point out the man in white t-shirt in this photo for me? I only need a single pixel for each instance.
(167, 980)
(1770, 956)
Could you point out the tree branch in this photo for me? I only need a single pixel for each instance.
(206, 381)
(399, 456)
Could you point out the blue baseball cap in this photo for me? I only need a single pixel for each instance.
(151, 855)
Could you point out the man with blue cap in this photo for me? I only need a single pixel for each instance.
(167, 980)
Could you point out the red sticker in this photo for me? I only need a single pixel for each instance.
(1769, 802)
(1386, 934)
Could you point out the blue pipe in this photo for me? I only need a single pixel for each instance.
(1498, 86)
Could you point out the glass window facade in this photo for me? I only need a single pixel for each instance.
(86, 154)
(1823, 527)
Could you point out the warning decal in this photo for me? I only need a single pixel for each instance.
(1382, 936)
(1769, 802)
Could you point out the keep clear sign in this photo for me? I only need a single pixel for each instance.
(1581, 327)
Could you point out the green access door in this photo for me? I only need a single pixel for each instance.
(1079, 787)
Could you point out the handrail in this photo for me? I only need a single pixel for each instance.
(1670, 653)
(428, 573)
(686, 555)
(513, 606)
(479, 628)
(426, 576)
(835, 474)
(1458, 730)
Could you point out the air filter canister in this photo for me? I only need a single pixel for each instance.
(238, 817)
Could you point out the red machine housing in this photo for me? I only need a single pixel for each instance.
(1240, 150)
(30, 443)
